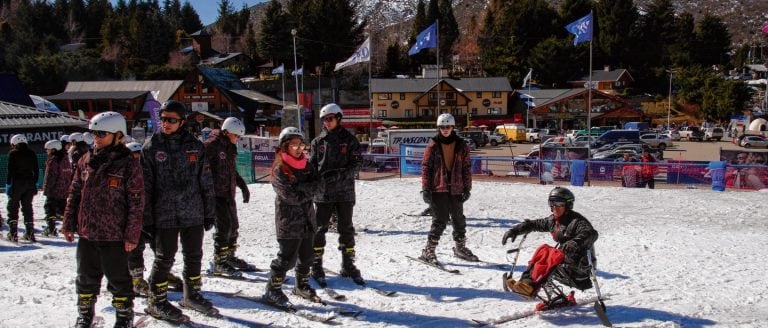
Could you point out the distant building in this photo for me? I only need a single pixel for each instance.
(204, 54)
(608, 81)
(567, 108)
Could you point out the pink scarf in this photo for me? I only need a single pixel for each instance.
(296, 163)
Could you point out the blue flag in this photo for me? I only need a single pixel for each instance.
(581, 28)
(299, 71)
(425, 40)
(279, 70)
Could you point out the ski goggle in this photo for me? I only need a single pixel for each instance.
(558, 202)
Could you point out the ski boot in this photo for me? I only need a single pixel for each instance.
(428, 253)
(303, 289)
(348, 268)
(558, 302)
(221, 265)
(525, 288)
(86, 304)
(12, 232)
(274, 292)
(461, 251)
(175, 283)
(140, 286)
(123, 312)
(158, 306)
(193, 298)
(238, 263)
(50, 230)
(318, 274)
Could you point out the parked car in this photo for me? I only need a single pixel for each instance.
(553, 142)
(616, 157)
(470, 143)
(754, 141)
(495, 139)
(478, 137)
(524, 162)
(691, 133)
(656, 140)
(532, 135)
(713, 134)
(582, 141)
(672, 134)
(632, 148)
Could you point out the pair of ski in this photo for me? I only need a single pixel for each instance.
(301, 312)
(599, 308)
(437, 265)
(339, 297)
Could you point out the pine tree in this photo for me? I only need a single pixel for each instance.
(190, 21)
(449, 30)
(433, 11)
(680, 51)
(615, 21)
(96, 12)
(713, 42)
(274, 38)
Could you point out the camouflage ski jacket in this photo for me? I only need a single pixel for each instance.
(177, 180)
(294, 210)
(222, 156)
(435, 175)
(58, 175)
(336, 157)
(106, 197)
(572, 226)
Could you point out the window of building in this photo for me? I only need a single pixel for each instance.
(474, 111)
(494, 111)
(479, 95)
(382, 113)
(496, 94)
(385, 96)
(402, 96)
(409, 113)
(190, 87)
(121, 106)
(80, 105)
(456, 112)
(427, 112)
(101, 105)
(450, 95)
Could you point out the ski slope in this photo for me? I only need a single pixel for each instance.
(668, 258)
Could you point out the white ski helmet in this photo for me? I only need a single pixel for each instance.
(331, 109)
(134, 146)
(111, 122)
(234, 126)
(53, 144)
(289, 133)
(76, 137)
(64, 138)
(88, 138)
(446, 119)
(18, 139)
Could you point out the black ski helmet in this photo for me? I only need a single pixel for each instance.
(561, 195)
(174, 106)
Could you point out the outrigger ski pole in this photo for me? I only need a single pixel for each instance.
(599, 304)
(514, 262)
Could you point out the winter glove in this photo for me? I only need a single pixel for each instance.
(8, 190)
(208, 223)
(465, 196)
(511, 234)
(570, 247)
(426, 195)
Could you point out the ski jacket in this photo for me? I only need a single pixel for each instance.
(294, 210)
(106, 197)
(23, 170)
(336, 157)
(571, 226)
(648, 171)
(222, 157)
(177, 181)
(76, 152)
(58, 175)
(434, 173)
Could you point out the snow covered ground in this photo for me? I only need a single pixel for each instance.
(690, 258)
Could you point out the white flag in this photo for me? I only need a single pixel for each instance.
(363, 54)
(527, 78)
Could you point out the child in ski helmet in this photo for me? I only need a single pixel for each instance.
(58, 176)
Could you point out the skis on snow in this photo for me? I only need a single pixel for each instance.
(434, 265)
(383, 292)
(529, 313)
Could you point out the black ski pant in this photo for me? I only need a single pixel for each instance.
(54, 207)
(447, 208)
(136, 257)
(650, 182)
(227, 224)
(166, 245)
(23, 199)
(96, 259)
(345, 227)
(290, 251)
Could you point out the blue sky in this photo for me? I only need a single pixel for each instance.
(208, 10)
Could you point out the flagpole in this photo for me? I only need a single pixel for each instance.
(437, 42)
(282, 74)
(589, 105)
(370, 93)
(529, 98)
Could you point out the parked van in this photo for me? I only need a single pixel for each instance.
(513, 132)
(640, 126)
(609, 137)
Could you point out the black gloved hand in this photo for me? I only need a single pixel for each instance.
(570, 247)
(208, 223)
(465, 196)
(511, 234)
(246, 195)
(426, 195)
(148, 232)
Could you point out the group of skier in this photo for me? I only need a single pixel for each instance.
(175, 187)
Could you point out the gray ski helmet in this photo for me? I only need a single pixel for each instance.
(561, 196)
(174, 107)
(53, 144)
(289, 133)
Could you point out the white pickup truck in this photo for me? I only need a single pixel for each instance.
(691, 133)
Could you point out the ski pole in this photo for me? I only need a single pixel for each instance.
(517, 255)
(594, 276)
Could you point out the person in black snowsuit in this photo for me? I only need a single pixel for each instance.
(21, 187)
(221, 154)
(295, 183)
(568, 262)
(336, 157)
(180, 205)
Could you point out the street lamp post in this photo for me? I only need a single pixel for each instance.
(669, 104)
(295, 64)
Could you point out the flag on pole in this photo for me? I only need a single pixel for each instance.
(765, 28)
(279, 70)
(363, 54)
(425, 40)
(527, 78)
(299, 71)
(581, 28)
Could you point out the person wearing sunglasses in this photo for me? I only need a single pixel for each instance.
(105, 208)
(221, 154)
(567, 263)
(335, 154)
(180, 207)
(294, 180)
(446, 181)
